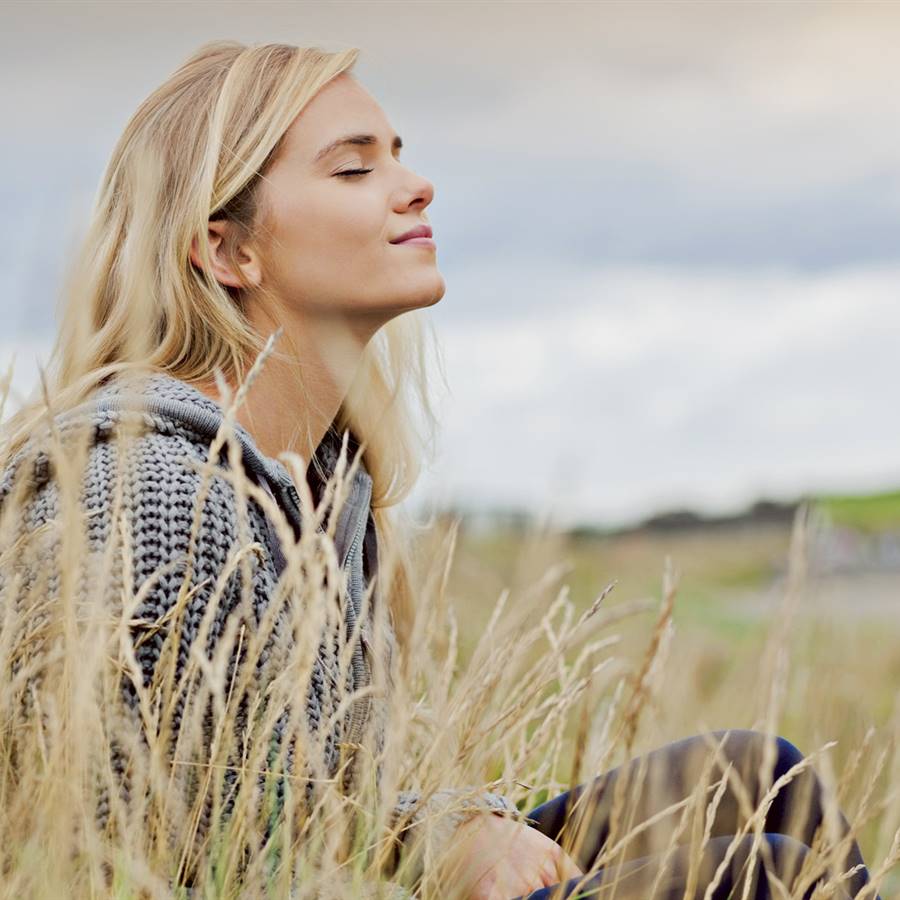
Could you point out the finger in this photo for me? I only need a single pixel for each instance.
(567, 867)
(521, 887)
(503, 890)
(517, 884)
(483, 889)
(549, 876)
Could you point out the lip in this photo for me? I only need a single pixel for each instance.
(420, 231)
(418, 242)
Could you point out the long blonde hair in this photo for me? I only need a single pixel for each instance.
(197, 148)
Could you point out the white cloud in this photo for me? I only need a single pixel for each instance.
(640, 387)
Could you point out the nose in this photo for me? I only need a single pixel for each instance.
(416, 191)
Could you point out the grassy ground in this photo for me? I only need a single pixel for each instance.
(868, 513)
(175, 781)
(842, 639)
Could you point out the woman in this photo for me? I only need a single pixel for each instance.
(261, 188)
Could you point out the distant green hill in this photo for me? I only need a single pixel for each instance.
(872, 512)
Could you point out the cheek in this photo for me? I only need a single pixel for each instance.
(328, 244)
(334, 231)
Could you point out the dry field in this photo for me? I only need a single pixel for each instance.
(522, 676)
(839, 635)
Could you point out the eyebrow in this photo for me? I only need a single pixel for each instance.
(396, 144)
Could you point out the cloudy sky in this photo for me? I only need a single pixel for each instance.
(670, 231)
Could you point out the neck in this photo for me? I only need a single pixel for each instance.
(299, 390)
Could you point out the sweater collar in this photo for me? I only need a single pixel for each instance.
(170, 403)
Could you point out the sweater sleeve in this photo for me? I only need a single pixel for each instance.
(186, 592)
(167, 493)
(162, 487)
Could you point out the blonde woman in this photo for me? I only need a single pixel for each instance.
(260, 190)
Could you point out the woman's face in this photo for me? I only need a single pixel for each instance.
(331, 215)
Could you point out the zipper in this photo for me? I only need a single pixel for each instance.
(295, 497)
(359, 709)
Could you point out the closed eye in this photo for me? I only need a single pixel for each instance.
(348, 172)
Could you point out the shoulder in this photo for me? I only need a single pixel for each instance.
(161, 481)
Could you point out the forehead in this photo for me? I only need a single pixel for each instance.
(342, 106)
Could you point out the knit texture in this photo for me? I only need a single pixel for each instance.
(160, 489)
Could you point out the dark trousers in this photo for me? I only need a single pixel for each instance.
(651, 866)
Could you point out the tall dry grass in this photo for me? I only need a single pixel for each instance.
(545, 699)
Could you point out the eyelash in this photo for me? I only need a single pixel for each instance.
(352, 172)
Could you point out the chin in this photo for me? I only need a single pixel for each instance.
(436, 297)
(440, 289)
(428, 295)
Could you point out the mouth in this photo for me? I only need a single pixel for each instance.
(416, 242)
(421, 234)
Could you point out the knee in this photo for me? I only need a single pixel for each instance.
(786, 851)
(749, 747)
(786, 755)
(786, 859)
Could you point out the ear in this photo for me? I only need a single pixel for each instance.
(222, 267)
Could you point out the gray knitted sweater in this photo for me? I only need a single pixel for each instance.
(162, 488)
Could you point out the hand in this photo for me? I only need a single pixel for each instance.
(496, 858)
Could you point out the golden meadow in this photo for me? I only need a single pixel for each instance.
(537, 661)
